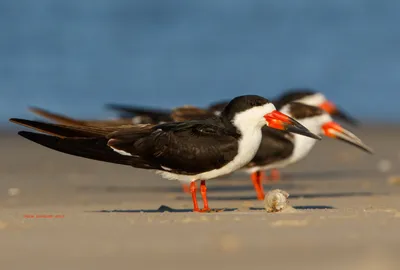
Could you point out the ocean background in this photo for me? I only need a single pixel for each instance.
(74, 56)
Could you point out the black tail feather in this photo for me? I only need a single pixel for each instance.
(92, 148)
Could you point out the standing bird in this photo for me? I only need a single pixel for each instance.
(279, 149)
(300, 95)
(313, 98)
(186, 151)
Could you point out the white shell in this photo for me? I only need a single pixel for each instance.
(276, 200)
(384, 165)
(14, 191)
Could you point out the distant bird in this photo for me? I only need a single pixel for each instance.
(279, 149)
(302, 95)
(186, 151)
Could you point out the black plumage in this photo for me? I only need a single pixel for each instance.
(292, 95)
(151, 115)
(183, 148)
(187, 148)
(275, 145)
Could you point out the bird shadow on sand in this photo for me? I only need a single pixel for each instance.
(164, 208)
(292, 196)
(241, 184)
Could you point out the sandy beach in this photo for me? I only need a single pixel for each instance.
(63, 212)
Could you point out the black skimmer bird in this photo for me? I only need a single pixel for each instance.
(303, 95)
(279, 149)
(187, 151)
(314, 98)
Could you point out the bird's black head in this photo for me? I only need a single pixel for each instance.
(247, 113)
(242, 103)
(300, 111)
(293, 95)
(314, 98)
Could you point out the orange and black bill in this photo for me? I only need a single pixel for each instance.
(278, 120)
(335, 131)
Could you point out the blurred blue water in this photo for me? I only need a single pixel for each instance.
(73, 56)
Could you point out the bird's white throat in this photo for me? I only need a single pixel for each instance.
(303, 144)
(313, 100)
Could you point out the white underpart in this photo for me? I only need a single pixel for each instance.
(249, 123)
(166, 168)
(121, 152)
(313, 100)
(302, 144)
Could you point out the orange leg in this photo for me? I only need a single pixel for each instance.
(203, 190)
(256, 179)
(193, 190)
(275, 175)
(186, 188)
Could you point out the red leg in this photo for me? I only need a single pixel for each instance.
(256, 179)
(260, 182)
(193, 190)
(203, 190)
(275, 174)
(186, 188)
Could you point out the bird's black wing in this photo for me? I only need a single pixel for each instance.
(183, 148)
(91, 148)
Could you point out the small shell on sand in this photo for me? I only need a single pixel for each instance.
(384, 165)
(394, 180)
(276, 200)
(14, 191)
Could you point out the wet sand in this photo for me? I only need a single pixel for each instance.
(102, 216)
